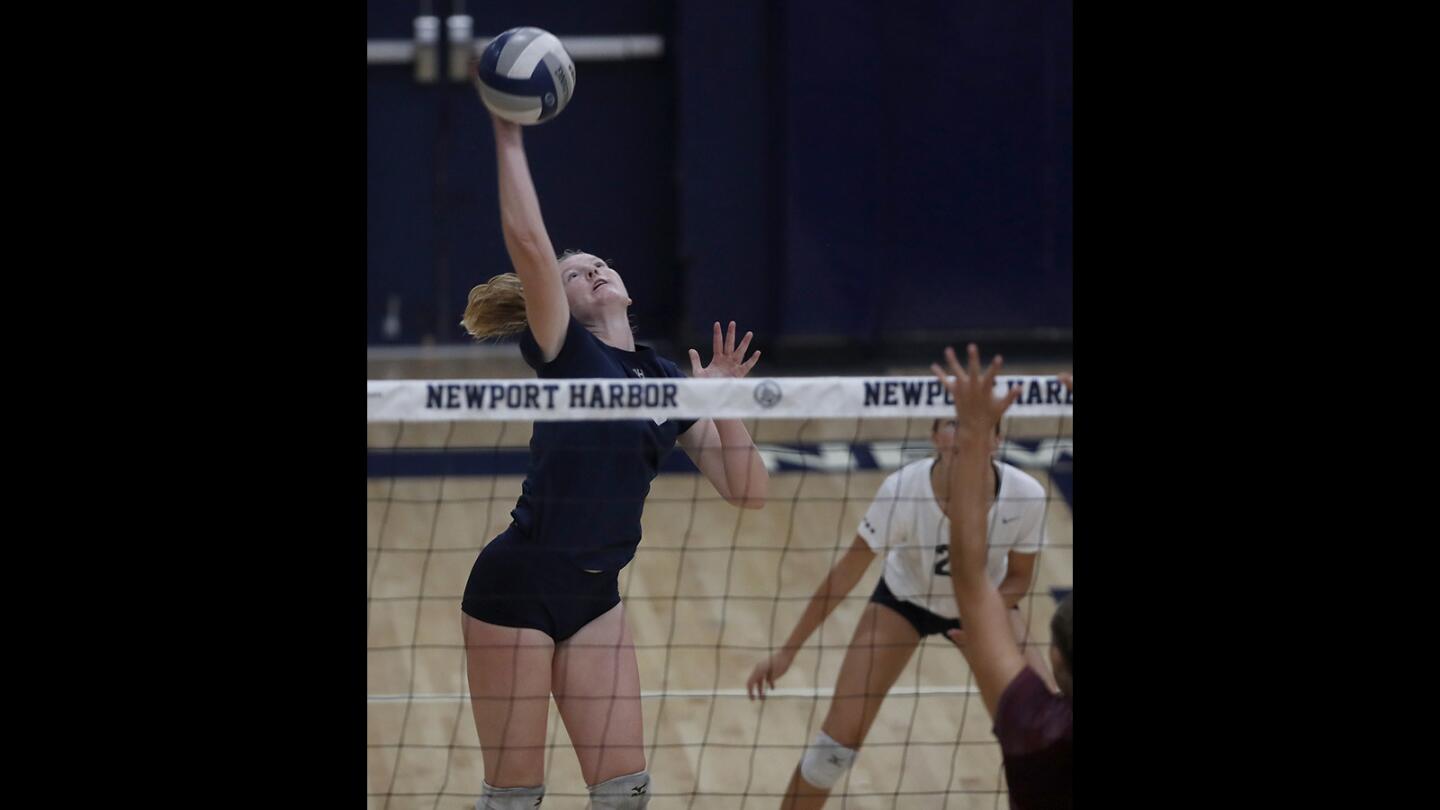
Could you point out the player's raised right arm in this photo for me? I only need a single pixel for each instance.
(531, 252)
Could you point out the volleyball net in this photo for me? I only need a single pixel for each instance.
(713, 589)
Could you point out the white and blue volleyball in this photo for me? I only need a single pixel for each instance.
(525, 76)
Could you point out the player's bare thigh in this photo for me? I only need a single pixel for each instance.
(508, 669)
(881, 647)
(597, 689)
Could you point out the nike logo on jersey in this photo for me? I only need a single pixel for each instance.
(1010, 519)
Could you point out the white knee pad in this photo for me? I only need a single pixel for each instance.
(511, 798)
(630, 792)
(826, 761)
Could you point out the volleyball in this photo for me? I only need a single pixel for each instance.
(525, 76)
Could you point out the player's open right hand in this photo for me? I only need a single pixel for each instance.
(766, 672)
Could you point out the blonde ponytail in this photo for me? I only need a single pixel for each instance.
(496, 308)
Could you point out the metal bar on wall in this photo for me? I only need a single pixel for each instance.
(581, 49)
(389, 51)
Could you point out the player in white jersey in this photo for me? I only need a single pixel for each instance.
(914, 599)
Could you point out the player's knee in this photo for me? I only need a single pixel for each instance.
(631, 792)
(826, 761)
(510, 798)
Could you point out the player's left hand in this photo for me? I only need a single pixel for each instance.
(727, 360)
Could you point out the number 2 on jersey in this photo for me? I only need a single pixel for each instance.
(942, 560)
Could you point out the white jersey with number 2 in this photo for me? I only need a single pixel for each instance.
(905, 524)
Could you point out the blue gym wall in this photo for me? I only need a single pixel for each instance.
(822, 171)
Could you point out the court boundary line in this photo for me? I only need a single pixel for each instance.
(650, 694)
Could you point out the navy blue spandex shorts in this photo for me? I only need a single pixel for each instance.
(924, 622)
(515, 584)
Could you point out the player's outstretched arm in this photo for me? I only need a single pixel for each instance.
(722, 448)
(532, 254)
(837, 585)
(994, 655)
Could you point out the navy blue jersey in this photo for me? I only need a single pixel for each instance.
(586, 486)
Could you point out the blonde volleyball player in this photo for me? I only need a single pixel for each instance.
(542, 613)
(906, 523)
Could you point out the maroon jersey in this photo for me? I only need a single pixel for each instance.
(1034, 729)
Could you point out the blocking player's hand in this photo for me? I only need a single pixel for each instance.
(977, 410)
(727, 359)
(1066, 380)
(766, 672)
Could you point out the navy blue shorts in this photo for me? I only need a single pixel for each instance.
(924, 622)
(515, 584)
